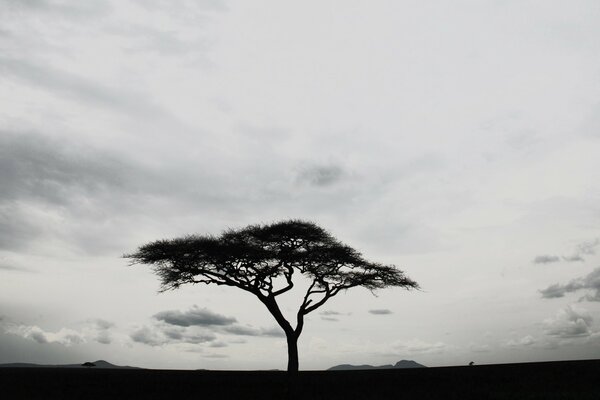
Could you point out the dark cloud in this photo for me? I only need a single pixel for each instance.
(196, 317)
(382, 311)
(569, 323)
(321, 175)
(193, 317)
(589, 282)
(545, 259)
(581, 250)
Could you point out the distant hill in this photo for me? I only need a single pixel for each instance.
(95, 364)
(399, 364)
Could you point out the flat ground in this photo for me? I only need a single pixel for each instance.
(551, 380)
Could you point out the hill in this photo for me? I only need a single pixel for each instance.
(99, 364)
(399, 364)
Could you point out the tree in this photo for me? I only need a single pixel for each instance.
(262, 260)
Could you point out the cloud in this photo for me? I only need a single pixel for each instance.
(196, 317)
(83, 90)
(569, 322)
(417, 346)
(85, 9)
(102, 324)
(524, 341)
(64, 336)
(10, 268)
(250, 331)
(383, 311)
(588, 282)
(160, 335)
(100, 330)
(324, 175)
(582, 249)
(193, 317)
(545, 259)
(330, 312)
(147, 336)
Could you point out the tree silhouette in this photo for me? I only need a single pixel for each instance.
(262, 260)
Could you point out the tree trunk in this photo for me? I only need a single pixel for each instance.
(292, 342)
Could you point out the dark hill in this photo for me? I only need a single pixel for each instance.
(100, 364)
(399, 364)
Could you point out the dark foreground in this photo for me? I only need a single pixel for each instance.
(552, 380)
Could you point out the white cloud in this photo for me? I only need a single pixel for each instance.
(569, 322)
(524, 341)
(64, 336)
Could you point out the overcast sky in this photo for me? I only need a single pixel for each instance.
(457, 140)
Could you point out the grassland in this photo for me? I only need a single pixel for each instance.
(551, 380)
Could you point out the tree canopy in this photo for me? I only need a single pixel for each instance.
(262, 260)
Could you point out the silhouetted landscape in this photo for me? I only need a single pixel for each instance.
(399, 364)
(546, 380)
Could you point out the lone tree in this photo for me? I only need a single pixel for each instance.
(262, 260)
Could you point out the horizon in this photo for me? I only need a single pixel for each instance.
(458, 142)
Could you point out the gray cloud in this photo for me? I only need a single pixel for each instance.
(193, 317)
(36, 167)
(581, 250)
(573, 258)
(83, 90)
(330, 319)
(196, 317)
(103, 337)
(588, 282)
(81, 185)
(86, 9)
(383, 311)
(103, 324)
(147, 336)
(5, 267)
(545, 259)
(569, 323)
(330, 312)
(166, 335)
(101, 327)
(250, 331)
(324, 175)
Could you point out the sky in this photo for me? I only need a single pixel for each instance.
(459, 141)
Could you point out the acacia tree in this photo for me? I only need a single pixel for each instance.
(262, 260)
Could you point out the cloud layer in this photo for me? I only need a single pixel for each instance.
(589, 282)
